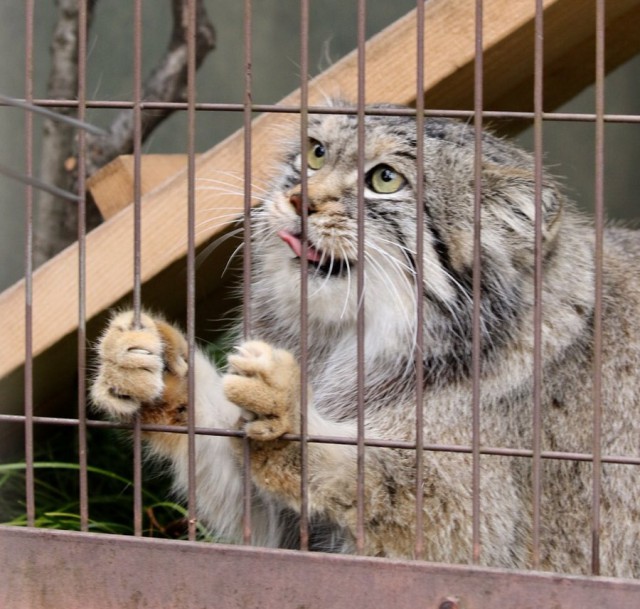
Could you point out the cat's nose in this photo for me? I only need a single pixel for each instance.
(296, 200)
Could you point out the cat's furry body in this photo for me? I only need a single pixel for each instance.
(144, 370)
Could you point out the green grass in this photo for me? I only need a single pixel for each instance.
(109, 474)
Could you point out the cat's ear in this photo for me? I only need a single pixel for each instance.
(509, 194)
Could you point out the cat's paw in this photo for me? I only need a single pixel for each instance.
(134, 363)
(265, 383)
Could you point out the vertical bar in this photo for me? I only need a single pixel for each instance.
(82, 263)
(537, 279)
(360, 533)
(137, 244)
(419, 352)
(597, 316)
(28, 272)
(476, 347)
(304, 407)
(246, 284)
(191, 259)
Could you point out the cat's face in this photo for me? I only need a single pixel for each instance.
(388, 185)
(389, 239)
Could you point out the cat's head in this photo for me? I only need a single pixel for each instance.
(388, 186)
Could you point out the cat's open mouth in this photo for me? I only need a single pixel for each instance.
(323, 263)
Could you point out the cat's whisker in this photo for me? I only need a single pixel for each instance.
(231, 193)
(231, 258)
(212, 226)
(209, 184)
(429, 264)
(348, 291)
(206, 252)
(238, 178)
(400, 265)
(328, 274)
(236, 216)
(389, 284)
(204, 226)
(389, 281)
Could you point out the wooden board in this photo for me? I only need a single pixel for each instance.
(112, 186)
(390, 76)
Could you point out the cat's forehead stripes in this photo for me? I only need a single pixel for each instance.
(339, 133)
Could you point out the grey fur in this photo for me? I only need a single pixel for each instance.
(506, 366)
(508, 209)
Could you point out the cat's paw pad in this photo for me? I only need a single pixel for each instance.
(265, 383)
(132, 360)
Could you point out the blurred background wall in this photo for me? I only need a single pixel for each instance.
(568, 146)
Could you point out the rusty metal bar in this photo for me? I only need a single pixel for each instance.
(191, 268)
(419, 279)
(82, 274)
(46, 565)
(598, 307)
(346, 110)
(344, 441)
(30, 181)
(477, 270)
(304, 284)
(26, 105)
(246, 278)
(360, 282)
(28, 272)
(538, 76)
(137, 245)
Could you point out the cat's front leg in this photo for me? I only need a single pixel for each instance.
(142, 370)
(265, 383)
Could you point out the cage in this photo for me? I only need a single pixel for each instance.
(165, 241)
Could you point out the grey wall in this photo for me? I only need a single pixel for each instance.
(275, 68)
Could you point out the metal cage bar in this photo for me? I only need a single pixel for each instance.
(247, 258)
(304, 285)
(82, 271)
(28, 272)
(478, 102)
(598, 308)
(191, 270)
(419, 350)
(536, 439)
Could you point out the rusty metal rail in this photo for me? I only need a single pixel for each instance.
(109, 572)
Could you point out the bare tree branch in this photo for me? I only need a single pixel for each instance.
(166, 83)
(55, 219)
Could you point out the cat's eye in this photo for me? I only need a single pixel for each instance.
(316, 154)
(384, 180)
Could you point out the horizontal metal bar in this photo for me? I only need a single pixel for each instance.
(50, 569)
(62, 118)
(279, 109)
(340, 440)
(39, 184)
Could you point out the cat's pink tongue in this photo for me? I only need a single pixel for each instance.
(313, 255)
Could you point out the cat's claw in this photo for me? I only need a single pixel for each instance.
(265, 383)
(133, 360)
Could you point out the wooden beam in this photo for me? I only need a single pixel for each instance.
(390, 76)
(112, 186)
